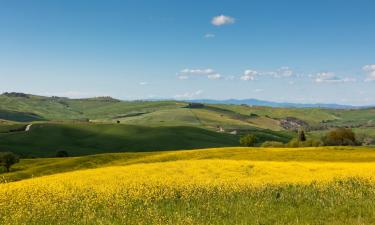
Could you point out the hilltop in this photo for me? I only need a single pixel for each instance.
(104, 124)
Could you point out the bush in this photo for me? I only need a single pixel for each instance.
(62, 154)
(8, 159)
(301, 136)
(248, 140)
(272, 144)
(296, 143)
(340, 137)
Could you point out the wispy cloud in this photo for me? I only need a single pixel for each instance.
(209, 73)
(282, 72)
(189, 95)
(330, 77)
(209, 35)
(222, 20)
(370, 70)
(258, 90)
(142, 83)
(249, 75)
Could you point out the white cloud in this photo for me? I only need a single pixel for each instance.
(209, 35)
(214, 76)
(282, 72)
(143, 83)
(370, 70)
(222, 20)
(249, 75)
(209, 73)
(189, 95)
(279, 73)
(230, 77)
(330, 77)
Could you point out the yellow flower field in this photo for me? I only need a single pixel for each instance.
(154, 191)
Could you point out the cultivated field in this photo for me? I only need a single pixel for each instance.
(209, 186)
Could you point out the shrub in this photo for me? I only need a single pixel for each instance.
(301, 136)
(340, 137)
(8, 159)
(248, 140)
(62, 154)
(272, 144)
(296, 143)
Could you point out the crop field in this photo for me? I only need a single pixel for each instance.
(209, 186)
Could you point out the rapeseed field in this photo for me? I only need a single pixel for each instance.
(198, 191)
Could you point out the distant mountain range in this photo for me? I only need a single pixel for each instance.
(256, 102)
(250, 101)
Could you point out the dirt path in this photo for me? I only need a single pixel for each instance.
(28, 127)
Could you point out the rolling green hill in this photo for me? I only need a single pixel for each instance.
(25, 108)
(90, 126)
(44, 139)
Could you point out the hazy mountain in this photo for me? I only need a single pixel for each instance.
(257, 102)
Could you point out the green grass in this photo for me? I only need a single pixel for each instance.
(166, 117)
(311, 115)
(161, 113)
(44, 139)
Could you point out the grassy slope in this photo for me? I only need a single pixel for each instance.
(70, 109)
(310, 115)
(44, 139)
(43, 108)
(166, 117)
(37, 167)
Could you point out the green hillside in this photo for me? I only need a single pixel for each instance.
(25, 108)
(44, 139)
(90, 126)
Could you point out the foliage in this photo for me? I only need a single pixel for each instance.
(301, 136)
(340, 137)
(296, 143)
(8, 159)
(272, 144)
(248, 140)
(62, 154)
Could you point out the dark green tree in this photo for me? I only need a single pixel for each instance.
(340, 137)
(62, 154)
(8, 159)
(248, 140)
(301, 136)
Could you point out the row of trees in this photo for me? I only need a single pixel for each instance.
(336, 137)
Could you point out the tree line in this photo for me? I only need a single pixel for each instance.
(336, 137)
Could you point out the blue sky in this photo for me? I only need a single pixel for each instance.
(295, 51)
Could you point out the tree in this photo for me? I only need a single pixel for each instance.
(62, 154)
(340, 137)
(8, 159)
(248, 140)
(301, 136)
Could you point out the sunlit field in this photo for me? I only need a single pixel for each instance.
(214, 186)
